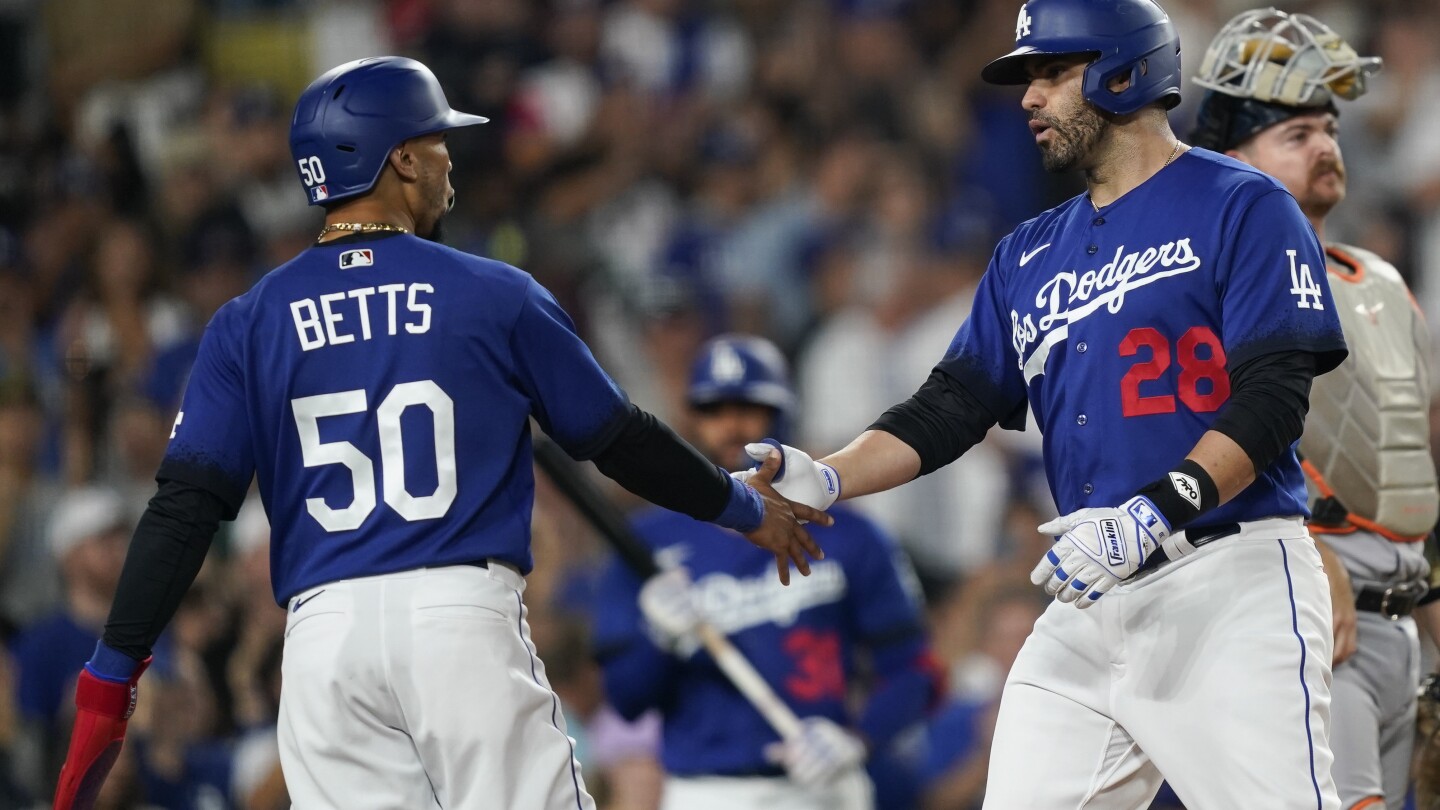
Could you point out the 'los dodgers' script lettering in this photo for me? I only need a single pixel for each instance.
(1073, 295)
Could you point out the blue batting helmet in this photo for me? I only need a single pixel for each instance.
(347, 121)
(742, 368)
(1131, 38)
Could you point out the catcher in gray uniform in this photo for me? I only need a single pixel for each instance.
(1272, 80)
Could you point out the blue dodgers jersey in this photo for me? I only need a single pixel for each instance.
(1118, 327)
(802, 638)
(380, 391)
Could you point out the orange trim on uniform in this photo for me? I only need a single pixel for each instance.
(1356, 521)
(1388, 534)
(1314, 473)
(1368, 801)
(1332, 529)
(1357, 270)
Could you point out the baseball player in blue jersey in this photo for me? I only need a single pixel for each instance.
(379, 387)
(1164, 328)
(1273, 79)
(805, 640)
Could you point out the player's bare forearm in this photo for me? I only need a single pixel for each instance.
(1225, 461)
(874, 462)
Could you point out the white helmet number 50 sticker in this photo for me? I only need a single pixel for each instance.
(311, 170)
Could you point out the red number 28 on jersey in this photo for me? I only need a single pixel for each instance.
(1202, 358)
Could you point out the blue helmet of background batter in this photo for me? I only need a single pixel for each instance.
(1133, 38)
(743, 368)
(347, 121)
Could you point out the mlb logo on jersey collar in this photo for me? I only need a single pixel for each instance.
(357, 258)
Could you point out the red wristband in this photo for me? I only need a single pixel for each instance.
(103, 710)
(107, 698)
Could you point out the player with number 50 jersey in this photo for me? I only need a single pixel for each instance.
(405, 381)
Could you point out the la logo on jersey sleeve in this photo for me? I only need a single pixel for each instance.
(1302, 285)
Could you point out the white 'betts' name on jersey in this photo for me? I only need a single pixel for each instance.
(334, 318)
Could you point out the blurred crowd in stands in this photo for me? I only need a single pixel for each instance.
(828, 173)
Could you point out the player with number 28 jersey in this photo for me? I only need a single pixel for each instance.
(1164, 328)
(1125, 320)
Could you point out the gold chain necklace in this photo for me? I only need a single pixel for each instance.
(359, 227)
(1173, 153)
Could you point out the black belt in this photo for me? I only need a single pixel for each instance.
(1197, 536)
(1389, 602)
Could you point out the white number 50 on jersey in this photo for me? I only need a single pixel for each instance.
(315, 453)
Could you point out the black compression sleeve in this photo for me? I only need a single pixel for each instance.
(647, 458)
(940, 421)
(165, 555)
(1269, 398)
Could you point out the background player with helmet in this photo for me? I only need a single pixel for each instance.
(860, 603)
(409, 676)
(1272, 80)
(1164, 328)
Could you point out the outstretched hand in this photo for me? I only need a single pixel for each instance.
(801, 479)
(780, 532)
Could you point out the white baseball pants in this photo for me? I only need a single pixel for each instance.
(1212, 671)
(422, 690)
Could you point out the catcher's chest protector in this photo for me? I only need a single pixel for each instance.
(1368, 429)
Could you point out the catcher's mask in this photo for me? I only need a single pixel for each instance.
(1266, 66)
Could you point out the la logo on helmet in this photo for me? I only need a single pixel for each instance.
(727, 366)
(1022, 24)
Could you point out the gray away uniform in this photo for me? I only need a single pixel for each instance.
(1373, 490)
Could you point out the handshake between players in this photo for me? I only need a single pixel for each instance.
(1095, 549)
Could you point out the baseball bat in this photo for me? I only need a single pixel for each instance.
(612, 525)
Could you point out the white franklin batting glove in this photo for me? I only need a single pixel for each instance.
(819, 753)
(668, 603)
(801, 478)
(1098, 548)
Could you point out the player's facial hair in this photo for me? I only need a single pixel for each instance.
(1075, 137)
(437, 230)
(1336, 165)
(1317, 205)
